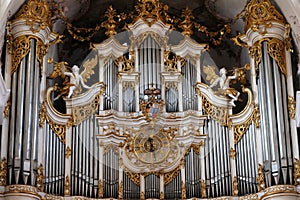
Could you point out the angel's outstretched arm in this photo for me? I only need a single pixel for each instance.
(83, 84)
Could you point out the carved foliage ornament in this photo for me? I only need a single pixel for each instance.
(37, 15)
(3, 171)
(261, 12)
(235, 189)
(81, 113)
(292, 107)
(296, 171)
(260, 178)
(100, 189)
(40, 178)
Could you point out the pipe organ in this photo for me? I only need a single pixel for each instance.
(151, 126)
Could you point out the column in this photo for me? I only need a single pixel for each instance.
(142, 187)
(161, 187)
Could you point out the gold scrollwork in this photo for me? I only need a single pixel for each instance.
(40, 178)
(134, 177)
(161, 195)
(42, 114)
(276, 50)
(255, 52)
(250, 197)
(3, 172)
(203, 189)
(100, 189)
(110, 24)
(67, 189)
(240, 129)
(232, 153)
(35, 13)
(235, 189)
(256, 116)
(121, 190)
(261, 13)
(296, 171)
(23, 189)
(172, 61)
(220, 114)
(68, 152)
(7, 108)
(292, 107)
(187, 24)
(81, 113)
(169, 176)
(58, 129)
(21, 47)
(260, 178)
(183, 190)
(142, 195)
(126, 63)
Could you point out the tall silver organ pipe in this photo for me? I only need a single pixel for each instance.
(246, 162)
(111, 173)
(217, 160)
(172, 99)
(24, 120)
(84, 159)
(275, 130)
(111, 81)
(152, 186)
(189, 79)
(173, 189)
(54, 162)
(128, 99)
(192, 174)
(149, 65)
(131, 190)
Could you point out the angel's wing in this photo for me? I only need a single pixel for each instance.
(89, 68)
(210, 72)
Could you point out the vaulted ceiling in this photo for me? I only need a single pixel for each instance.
(211, 13)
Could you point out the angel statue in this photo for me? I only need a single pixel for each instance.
(73, 80)
(224, 81)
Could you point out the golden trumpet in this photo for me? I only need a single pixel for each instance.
(246, 66)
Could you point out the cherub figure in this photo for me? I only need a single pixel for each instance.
(224, 81)
(75, 80)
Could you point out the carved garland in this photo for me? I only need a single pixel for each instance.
(296, 171)
(3, 172)
(260, 178)
(292, 107)
(40, 178)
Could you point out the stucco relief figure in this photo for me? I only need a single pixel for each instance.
(224, 82)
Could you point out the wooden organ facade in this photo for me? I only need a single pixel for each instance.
(150, 126)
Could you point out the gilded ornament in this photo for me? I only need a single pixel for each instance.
(37, 15)
(296, 172)
(126, 63)
(68, 152)
(256, 116)
(261, 13)
(81, 113)
(40, 178)
(241, 129)
(121, 190)
(58, 129)
(42, 114)
(100, 189)
(27, 189)
(292, 107)
(169, 176)
(161, 195)
(203, 189)
(276, 50)
(187, 24)
(7, 108)
(220, 114)
(3, 172)
(142, 196)
(134, 177)
(235, 189)
(255, 52)
(260, 178)
(110, 24)
(67, 189)
(279, 189)
(171, 61)
(183, 190)
(250, 197)
(232, 153)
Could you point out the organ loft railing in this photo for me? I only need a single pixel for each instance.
(148, 114)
